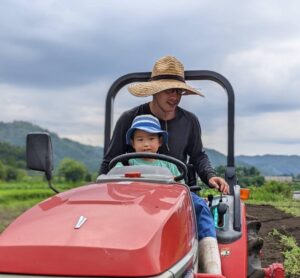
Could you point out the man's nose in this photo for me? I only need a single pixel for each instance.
(174, 95)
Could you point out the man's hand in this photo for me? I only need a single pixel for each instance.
(219, 184)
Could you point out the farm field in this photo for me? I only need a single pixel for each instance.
(270, 217)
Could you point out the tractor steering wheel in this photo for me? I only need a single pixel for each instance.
(124, 158)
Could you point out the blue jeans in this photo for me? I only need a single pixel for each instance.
(205, 222)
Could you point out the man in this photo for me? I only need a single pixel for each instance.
(167, 86)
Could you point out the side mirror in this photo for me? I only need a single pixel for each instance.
(39, 154)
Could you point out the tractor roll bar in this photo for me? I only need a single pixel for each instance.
(230, 175)
(189, 75)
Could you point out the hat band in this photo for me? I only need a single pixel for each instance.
(167, 76)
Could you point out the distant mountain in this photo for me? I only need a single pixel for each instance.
(273, 165)
(15, 134)
(268, 165)
(216, 157)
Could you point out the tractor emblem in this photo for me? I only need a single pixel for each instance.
(80, 222)
(225, 252)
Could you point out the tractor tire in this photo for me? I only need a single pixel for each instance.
(254, 244)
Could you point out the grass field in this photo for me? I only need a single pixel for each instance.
(15, 198)
(276, 194)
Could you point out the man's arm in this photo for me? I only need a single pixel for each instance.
(198, 157)
(202, 164)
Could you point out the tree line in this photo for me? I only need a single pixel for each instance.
(247, 176)
(12, 162)
(13, 166)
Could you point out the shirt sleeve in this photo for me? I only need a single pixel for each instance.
(197, 156)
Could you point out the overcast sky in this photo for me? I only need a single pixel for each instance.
(59, 58)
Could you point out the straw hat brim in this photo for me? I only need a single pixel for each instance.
(145, 89)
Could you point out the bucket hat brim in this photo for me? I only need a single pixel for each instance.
(147, 123)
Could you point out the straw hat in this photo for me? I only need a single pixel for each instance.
(167, 73)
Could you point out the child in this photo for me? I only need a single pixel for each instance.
(146, 135)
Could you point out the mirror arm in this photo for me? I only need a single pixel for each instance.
(48, 174)
(50, 185)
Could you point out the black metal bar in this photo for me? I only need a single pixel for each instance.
(189, 75)
(114, 89)
(221, 80)
(237, 209)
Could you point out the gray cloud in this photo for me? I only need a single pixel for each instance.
(58, 59)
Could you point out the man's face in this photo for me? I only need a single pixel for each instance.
(168, 100)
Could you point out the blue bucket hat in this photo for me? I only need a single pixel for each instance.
(146, 123)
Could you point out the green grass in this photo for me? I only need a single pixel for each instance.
(276, 194)
(16, 197)
(296, 186)
(291, 253)
(14, 210)
(208, 191)
(285, 205)
(19, 195)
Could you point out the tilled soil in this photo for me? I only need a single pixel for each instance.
(272, 218)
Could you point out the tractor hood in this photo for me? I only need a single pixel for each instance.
(106, 229)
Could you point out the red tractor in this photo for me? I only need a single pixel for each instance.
(136, 221)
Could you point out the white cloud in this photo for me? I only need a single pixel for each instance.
(58, 59)
(275, 132)
(73, 113)
(269, 64)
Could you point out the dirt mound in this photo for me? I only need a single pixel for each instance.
(272, 218)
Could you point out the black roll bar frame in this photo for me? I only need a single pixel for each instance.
(230, 175)
(189, 75)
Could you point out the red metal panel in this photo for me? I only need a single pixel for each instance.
(234, 255)
(132, 229)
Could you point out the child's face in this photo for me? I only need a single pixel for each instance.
(146, 142)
